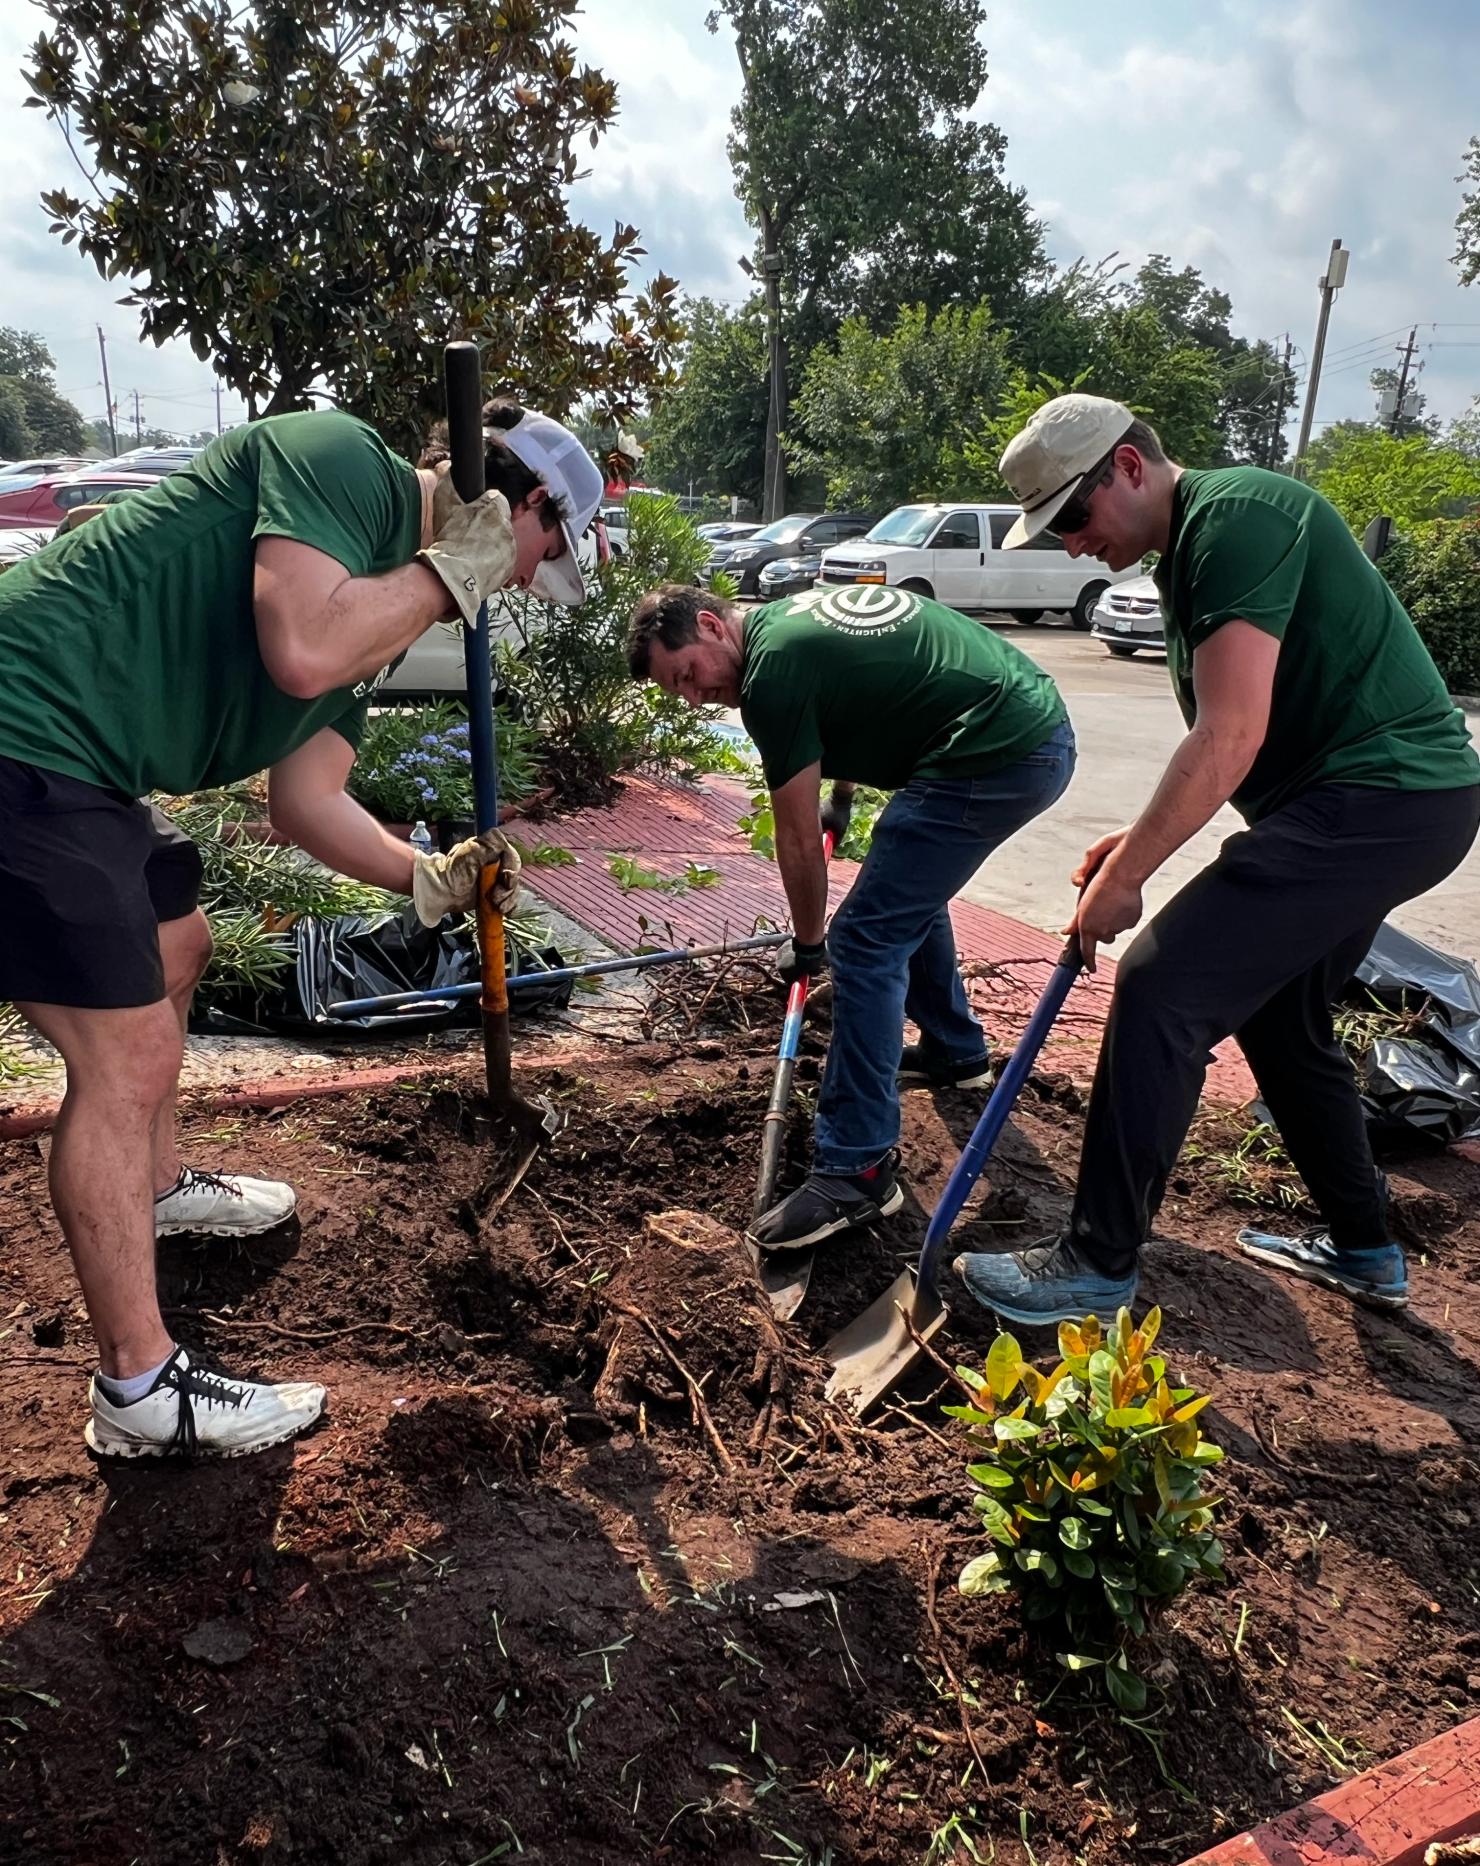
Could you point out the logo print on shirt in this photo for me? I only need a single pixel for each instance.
(860, 608)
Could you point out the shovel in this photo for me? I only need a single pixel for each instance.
(531, 1122)
(784, 1275)
(878, 1348)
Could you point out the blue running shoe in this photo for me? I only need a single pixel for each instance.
(1048, 1282)
(1377, 1277)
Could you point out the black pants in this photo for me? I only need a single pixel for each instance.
(1259, 945)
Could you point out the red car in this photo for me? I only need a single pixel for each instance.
(47, 501)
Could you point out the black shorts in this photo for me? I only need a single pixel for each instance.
(86, 877)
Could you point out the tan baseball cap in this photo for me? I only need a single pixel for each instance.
(1062, 441)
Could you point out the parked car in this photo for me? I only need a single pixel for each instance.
(727, 530)
(618, 530)
(788, 576)
(41, 468)
(954, 553)
(155, 460)
(1128, 617)
(45, 502)
(787, 537)
(434, 666)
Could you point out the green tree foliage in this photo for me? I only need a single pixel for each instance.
(855, 158)
(1467, 221)
(1435, 572)
(710, 428)
(326, 192)
(899, 416)
(1365, 471)
(34, 416)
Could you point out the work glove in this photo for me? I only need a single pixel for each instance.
(795, 959)
(473, 551)
(835, 814)
(448, 884)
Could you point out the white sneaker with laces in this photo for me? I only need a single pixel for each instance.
(195, 1410)
(222, 1205)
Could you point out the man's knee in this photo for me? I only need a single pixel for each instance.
(128, 1060)
(185, 948)
(1151, 992)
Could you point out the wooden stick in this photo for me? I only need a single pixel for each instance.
(701, 1412)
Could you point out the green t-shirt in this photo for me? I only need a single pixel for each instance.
(128, 649)
(1357, 698)
(882, 686)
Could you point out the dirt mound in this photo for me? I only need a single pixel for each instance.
(582, 1568)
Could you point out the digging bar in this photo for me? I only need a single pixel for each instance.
(784, 1275)
(534, 1122)
(874, 1351)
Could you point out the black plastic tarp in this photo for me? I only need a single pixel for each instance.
(1428, 1083)
(370, 956)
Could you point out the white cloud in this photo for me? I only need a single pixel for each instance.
(1237, 138)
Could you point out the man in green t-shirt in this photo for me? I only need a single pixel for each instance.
(234, 617)
(871, 685)
(1314, 708)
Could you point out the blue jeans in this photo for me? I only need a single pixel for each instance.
(893, 950)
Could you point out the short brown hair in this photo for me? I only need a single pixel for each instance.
(503, 470)
(670, 615)
(1146, 441)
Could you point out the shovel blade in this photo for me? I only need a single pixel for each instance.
(874, 1351)
(784, 1275)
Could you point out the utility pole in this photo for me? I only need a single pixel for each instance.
(218, 404)
(1407, 355)
(1276, 426)
(773, 478)
(1330, 285)
(107, 392)
(138, 422)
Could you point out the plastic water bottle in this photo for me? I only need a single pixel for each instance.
(421, 838)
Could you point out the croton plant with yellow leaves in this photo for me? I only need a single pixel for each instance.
(1090, 1484)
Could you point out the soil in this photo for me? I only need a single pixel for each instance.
(582, 1568)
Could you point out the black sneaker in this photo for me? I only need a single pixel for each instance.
(826, 1203)
(918, 1066)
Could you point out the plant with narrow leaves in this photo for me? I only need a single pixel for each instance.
(1090, 1485)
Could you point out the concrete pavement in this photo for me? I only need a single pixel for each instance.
(1127, 724)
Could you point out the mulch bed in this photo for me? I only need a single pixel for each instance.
(583, 1569)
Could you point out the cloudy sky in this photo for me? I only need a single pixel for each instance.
(1240, 136)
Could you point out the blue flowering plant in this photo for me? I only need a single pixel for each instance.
(414, 762)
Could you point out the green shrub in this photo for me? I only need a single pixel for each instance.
(567, 668)
(1090, 1486)
(1435, 573)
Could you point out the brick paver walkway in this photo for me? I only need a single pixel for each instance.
(665, 825)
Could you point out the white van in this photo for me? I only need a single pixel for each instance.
(954, 553)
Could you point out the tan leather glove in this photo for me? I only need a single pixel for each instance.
(473, 551)
(448, 884)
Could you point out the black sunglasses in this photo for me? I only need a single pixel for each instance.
(1074, 515)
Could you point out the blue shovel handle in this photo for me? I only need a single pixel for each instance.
(974, 1155)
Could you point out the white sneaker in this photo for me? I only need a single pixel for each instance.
(222, 1205)
(193, 1410)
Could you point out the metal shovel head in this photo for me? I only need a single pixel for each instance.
(784, 1275)
(876, 1349)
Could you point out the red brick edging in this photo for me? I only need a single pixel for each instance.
(1385, 1817)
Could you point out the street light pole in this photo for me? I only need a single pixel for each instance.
(1330, 285)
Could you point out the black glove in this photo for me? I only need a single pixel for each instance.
(835, 814)
(796, 960)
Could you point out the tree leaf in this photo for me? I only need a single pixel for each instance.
(983, 1575)
(1004, 1359)
(1016, 1429)
(991, 1475)
(1074, 1532)
(1127, 1691)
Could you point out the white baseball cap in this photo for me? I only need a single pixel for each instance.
(1061, 442)
(571, 476)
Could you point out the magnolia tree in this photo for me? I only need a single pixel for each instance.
(318, 196)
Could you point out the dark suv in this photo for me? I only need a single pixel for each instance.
(801, 534)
